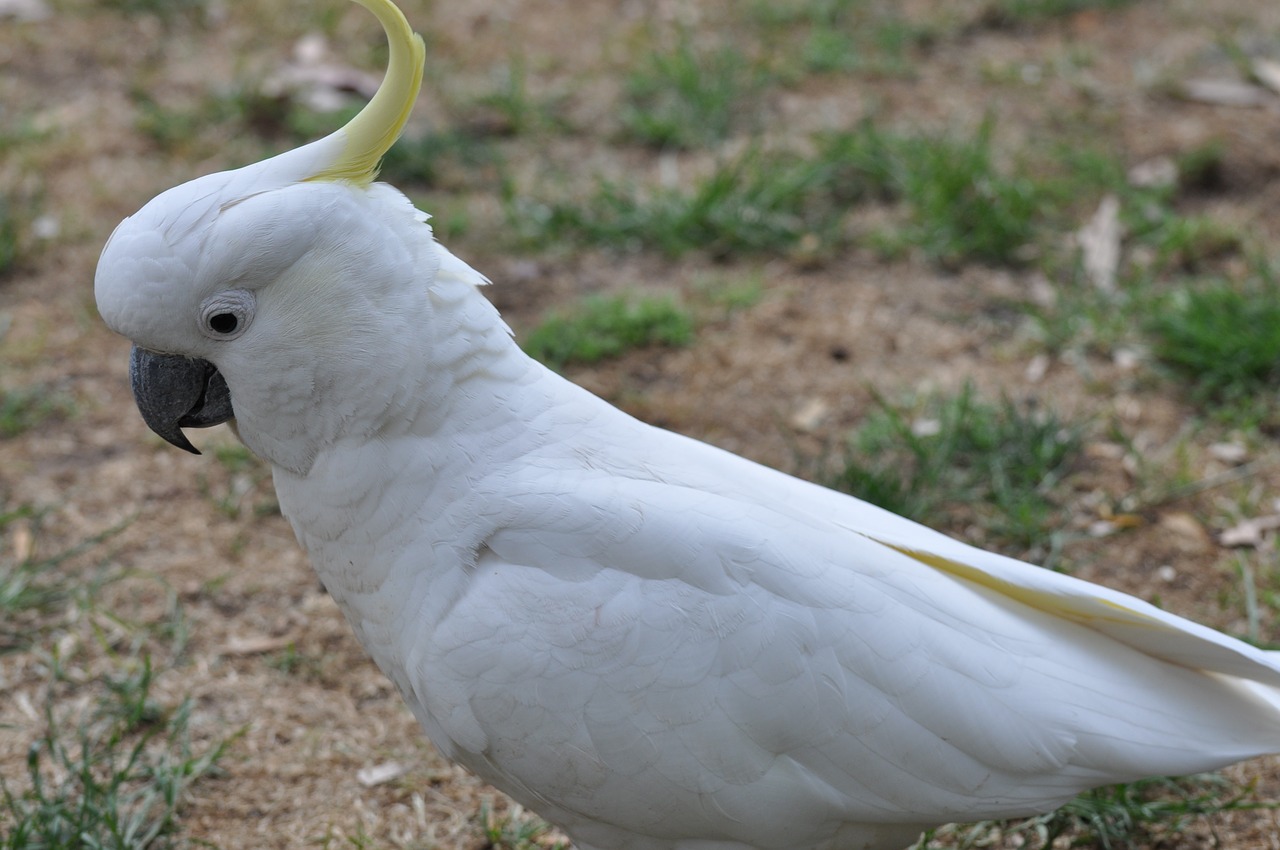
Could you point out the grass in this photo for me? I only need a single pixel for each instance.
(109, 764)
(32, 587)
(11, 228)
(1224, 339)
(959, 206)
(429, 160)
(690, 96)
(962, 206)
(952, 461)
(1148, 812)
(839, 36)
(756, 202)
(603, 327)
(513, 110)
(113, 778)
(24, 408)
(516, 831)
(1024, 12)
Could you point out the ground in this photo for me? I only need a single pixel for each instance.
(185, 561)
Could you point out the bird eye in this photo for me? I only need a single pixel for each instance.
(227, 315)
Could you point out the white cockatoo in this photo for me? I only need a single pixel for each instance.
(655, 644)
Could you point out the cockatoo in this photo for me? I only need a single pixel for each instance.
(653, 643)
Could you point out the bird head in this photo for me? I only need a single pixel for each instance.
(245, 272)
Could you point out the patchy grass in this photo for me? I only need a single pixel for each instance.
(963, 208)
(113, 777)
(1224, 338)
(510, 108)
(24, 408)
(956, 460)
(1024, 12)
(603, 327)
(756, 202)
(839, 36)
(11, 227)
(1150, 812)
(429, 160)
(32, 587)
(959, 206)
(517, 831)
(690, 96)
(111, 763)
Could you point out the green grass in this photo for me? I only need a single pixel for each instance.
(112, 778)
(691, 96)
(1224, 339)
(24, 408)
(1146, 813)
(511, 108)
(11, 228)
(109, 764)
(756, 202)
(838, 36)
(603, 327)
(958, 205)
(33, 588)
(962, 206)
(1024, 12)
(430, 160)
(515, 833)
(953, 461)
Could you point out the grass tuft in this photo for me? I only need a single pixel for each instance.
(954, 461)
(603, 327)
(1224, 338)
(24, 408)
(113, 779)
(1148, 812)
(689, 97)
(31, 586)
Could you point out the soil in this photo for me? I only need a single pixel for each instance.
(781, 381)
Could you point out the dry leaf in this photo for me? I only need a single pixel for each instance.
(810, 415)
(1157, 173)
(1267, 72)
(1099, 242)
(1225, 92)
(254, 645)
(1250, 532)
(24, 10)
(1229, 452)
(1037, 368)
(1187, 530)
(379, 774)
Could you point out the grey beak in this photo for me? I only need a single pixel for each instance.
(174, 392)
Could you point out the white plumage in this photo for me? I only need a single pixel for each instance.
(655, 644)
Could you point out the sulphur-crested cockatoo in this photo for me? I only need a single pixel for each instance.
(653, 643)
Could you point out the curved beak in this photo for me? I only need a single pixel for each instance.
(174, 392)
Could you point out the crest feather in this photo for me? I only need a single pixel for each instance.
(375, 129)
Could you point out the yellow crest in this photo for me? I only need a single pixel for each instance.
(375, 129)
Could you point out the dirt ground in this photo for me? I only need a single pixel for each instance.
(267, 652)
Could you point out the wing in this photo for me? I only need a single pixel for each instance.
(678, 661)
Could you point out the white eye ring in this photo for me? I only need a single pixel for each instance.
(228, 314)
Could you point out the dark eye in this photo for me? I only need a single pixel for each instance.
(223, 323)
(227, 314)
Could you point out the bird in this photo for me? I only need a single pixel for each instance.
(653, 643)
